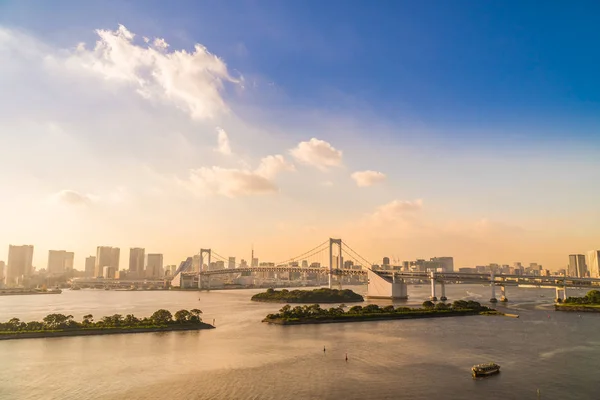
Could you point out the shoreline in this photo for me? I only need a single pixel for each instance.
(376, 317)
(288, 301)
(95, 332)
(577, 308)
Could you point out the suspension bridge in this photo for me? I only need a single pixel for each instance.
(335, 259)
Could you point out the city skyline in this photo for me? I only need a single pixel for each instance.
(178, 136)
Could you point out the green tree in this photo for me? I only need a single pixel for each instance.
(162, 317)
(428, 304)
(196, 315)
(182, 316)
(131, 320)
(88, 319)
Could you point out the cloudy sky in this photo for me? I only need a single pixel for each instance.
(411, 129)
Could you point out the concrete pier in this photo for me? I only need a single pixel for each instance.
(493, 299)
(443, 296)
(386, 287)
(503, 297)
(433, 296)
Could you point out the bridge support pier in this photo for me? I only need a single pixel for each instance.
(561, 294)
(433, 296)
(443, 296)
(503, 297)
(493, 286)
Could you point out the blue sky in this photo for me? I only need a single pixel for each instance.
(484, 110)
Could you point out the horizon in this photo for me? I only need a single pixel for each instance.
(411, 131)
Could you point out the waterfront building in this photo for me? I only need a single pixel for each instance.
(577, 266)
(154, 266)
(107, 256)
(2, 272)
(108, 272)
(386, 261)
(254, 262)
(348, 264)
(136, 261)
(593, 260)
(196, 263)
(19, 265)
(304, 264)
(231, 263)
(57, 260)
(243, 264)
(446, 263)
(90, 266)
(69, 261)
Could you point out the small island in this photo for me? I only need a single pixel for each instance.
(308, 296)
(57, 325)
(314, 314)
(588, 303)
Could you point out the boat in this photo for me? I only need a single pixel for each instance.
(480, 370)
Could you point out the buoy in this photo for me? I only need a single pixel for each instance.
(323, 349)
(346, 357)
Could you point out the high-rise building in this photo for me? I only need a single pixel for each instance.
(107, 256)
(304, 264)
(20, 265)
(196, 263)
(56, 262)
(593, 263)
(154, 266)
(2, 271)
(386, 261)
(254, 262)
(90, 266)
(136, 261)
(231, 263)
(577, 266)
(69, 261)
(446, 263)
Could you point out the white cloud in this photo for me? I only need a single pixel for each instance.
(317, 153)
(396, 209)
(193, 81)
(270, 166)
(71, 197)
(368, 178)
(235, 182)
(223, 146)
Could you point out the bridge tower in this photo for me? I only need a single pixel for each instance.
(202, 252)
(333, 242)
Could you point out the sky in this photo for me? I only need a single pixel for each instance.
(408, 129)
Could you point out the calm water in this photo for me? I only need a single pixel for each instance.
(245, 359)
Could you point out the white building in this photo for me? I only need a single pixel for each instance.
(593, 260)
(107, 256)
(154, 266)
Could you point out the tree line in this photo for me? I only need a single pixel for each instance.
(60, 322)
(315, 310)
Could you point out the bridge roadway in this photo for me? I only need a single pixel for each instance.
(449, 277)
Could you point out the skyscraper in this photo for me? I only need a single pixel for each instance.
(231, 263)
(20, 265)
(154, 266)
(447, 263)
(386, 261)
(69, 261)
(56, 262)
(136, 261)
(577, 265)
(593, 260)
(90, 266)
(107, 256)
